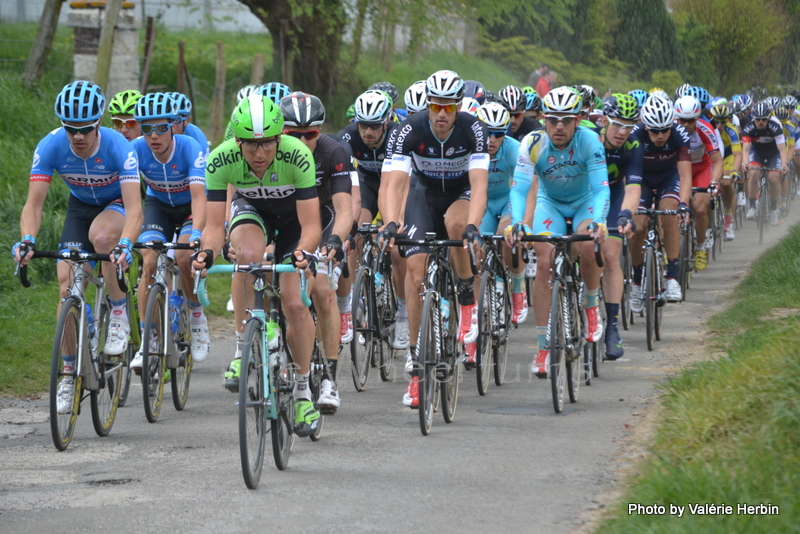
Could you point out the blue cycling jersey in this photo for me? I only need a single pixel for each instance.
(95, 180)
(197, 134)
(501, 168)
(565, 176)
(169, 182)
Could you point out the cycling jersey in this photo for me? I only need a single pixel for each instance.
(368, 161)
(441, 164)
(703, 144)
(197, 134)
(169, 182)
(625, 164)
(528, 125)
(663, 159)
(576, 176)
(501, 168)
(95, 180)
(730, 139)
(332, 169)
(789, 132)
(765, 140)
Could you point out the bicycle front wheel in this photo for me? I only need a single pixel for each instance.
(127, 374)
(315, 383)
(282, 426)
(483, 352)
(154, 353)
(558, 345)
(62, 422)
(574, 355)
(448, 374)
(362, 346)
(650, 286)
(252, 406)
(500, 330)
(428, 355)
(105, 400)
(182, 373)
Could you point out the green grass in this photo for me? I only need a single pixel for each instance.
(730, 428)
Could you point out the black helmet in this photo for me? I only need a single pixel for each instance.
(473, 89)
(301, 110)
(512, 98)
(389, 89)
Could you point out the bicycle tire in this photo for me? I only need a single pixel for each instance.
(683, 262)
(105, 400)
(558, 345)
(761, 215)
(314, 384)
(154, 362)
(720, 239)
(252, 408)
(600, 346)
(627, 273)
(362, 345)
(574, 360)
(500, 341)
(282, 433)
(62, 426)
(428, 355)
(483, 350)
(589, 350)
(182, 373)
(648, 284)
(451, 356)
(660, 301)
(127, 375)
(387, 315)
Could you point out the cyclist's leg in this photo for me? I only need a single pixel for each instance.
(728, 196)
(328, 318)
(699, 204)
(455, 221)
(198, 323)
(612, 274)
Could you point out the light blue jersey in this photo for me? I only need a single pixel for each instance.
(169, 182)
(197, 134)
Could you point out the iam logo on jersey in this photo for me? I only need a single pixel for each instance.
(174, 166)
(551, 160)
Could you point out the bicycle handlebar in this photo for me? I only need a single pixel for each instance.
(402, 239)
(572, 238)
(71, 255)
(200, 288)
(161, 245)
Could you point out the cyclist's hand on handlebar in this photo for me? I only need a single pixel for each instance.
(350, 242)
(303, 259)
(122, 253)
(515, 233)
(625, 224)
(333, 249)
(735, 176)
(472, 236)
(599, 231)
(713, 189)
(202, 260)
(22, 251)
(386, 235)
(686, 211)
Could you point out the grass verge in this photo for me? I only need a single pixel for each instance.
(730, 428)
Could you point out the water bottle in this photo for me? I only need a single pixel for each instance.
(93, 341)
(175, 303)
(500, 287)
(444, 306)
(378, 284)
(273, 333)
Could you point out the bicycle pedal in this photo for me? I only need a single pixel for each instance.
(327, 410)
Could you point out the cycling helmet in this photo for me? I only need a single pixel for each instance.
(716, 101)
(660, 93)
(351, 112)
(681, 91)
(533, 102)
(512, 98)
(156, 106)
(789, 101)
(469, 105)
(275, 91)
(762, 109)
(256, 117)
(389, 89)
(124, 103)
(562, 100)
(415, 97)
(587, 95)
(734, 107)
(373, 106)
(658, 112)
(246, 91)
(721, 112)
(444, 84)
(746, 101)
(700, 94)
(489, 97)
(782, 113)
(475, 90)
(528, 90)
(598, 103)
(302, 110)
(687, 107)
(182, 103)
(640, 95)
(495, 116)
(620, 106)
(80, 101)
(772, 101)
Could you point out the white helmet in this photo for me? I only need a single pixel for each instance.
(469, 105)
(562, 100)
(657, 112)
(512, 98)
(246, 91)
(415, 97)
(495, 116)
(444, 84)
(373, 106)
(687, 107)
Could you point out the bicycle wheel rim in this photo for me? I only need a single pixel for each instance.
(649, 296)
(104, 401)
(362, 346)
(154, 354)
(281, 427)
(500, 351)
(62, 426)
(573, 360)
(252, 409)
(483, 350)
(427, 350)
(558, 343)
(182, 373)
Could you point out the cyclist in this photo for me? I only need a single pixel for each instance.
(624, 160)
(568, 165)
(763, 144)
(667, 170)
(367, 142)
(398, 115)
(184, 125)
(447, 152)
(415, 97)
(303, 116)
(587, 94)
(173, 167)
(121, 108)
(515, 101)
(732, 161)
(706, 170)
(640, 95)
(473, 89)
(533, 108)
(275, 192)
(789, 131)
(104, 211)
(275, 91)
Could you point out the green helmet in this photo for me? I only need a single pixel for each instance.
(621, 106)
(124, 103)
(256, 117)
(528, 89)
(351, 112)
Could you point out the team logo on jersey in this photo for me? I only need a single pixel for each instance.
(449, 152)
(432, 150)
(547, 222)
(174, 166)
(98, 160)
(36, 159)
(273, 177)
(551, 160)
(421, 146)
(339, 167)
(381, 156)
(605, 182)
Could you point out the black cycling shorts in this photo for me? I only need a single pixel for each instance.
(162, 221)
(425, 211)
(286, 228)
(79, 219)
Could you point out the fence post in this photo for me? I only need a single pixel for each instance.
(37, 60)
(181, 66)
(257, 71)
(219, 97)
(113, 7)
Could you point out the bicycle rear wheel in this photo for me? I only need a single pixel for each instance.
(252, 408)
(282, 426)
(428, 356)
(362, 346)
(574, 356)
(154, 353)
(105, 400)
(627, 279)
(483, 352)
(62, 425)
(182, 373)
(650, 285)
(558, 345)
(660, 300)
(501, 327)
(314, 383)
(448, 374)
(387, 319)
(683, 261)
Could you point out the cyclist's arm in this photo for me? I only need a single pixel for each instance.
(685, 174)
(31, 219)
(395, 185)
(198, 192)
(717, 166)
(344, 215)
(524, 176)
(310, 226)
(132, 200)
(633, 193)
(597, 172)
(214, 231)
(478, 197)
(746, 152)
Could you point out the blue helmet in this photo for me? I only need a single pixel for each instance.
(275, 91)
(534, 103)
(182, 104)
(640, 95)
(155, 106)
(700, 94)
(746, 101)
(80, 101)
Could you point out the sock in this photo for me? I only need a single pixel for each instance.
(672, 268)
(118, 310)
(402, 309)
(343, 303)
(466, 291)
(239, 345)
(301, 389)
(518, 282)
(197, 316)
(69, 363)
(590, 300)
(330, 372)
(612, 312)
(752, 202)
(541, 337)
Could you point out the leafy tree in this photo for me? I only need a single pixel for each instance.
(646, 37)
(700, 69)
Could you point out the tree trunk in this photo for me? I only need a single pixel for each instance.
(358, 31)
(106, 50)
(37, 60)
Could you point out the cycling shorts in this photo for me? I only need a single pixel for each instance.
(496, 209)
(369, 195)
(701, 177)
(660, 186)
(79, 219)
(425, 211)
(162, 221)
(771, 163)
(617, 196)
(727, 166)
(286, 229)
(550, 217)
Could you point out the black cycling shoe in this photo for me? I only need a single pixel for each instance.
(614, 349)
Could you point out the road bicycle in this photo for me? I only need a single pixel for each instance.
(762, 204)
(686, 255)
(626, 264)
(594, 353)
(494, 315)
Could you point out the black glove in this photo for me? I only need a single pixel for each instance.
(682, 207)
(625, 217)
(335, 243)
(311, 258)
(389, 232)
(471, 233)
(209, 257)
(226, 251)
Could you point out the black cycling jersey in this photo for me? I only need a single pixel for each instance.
(441, 164)
(764, 140)
(529, 124)
(625, 164)
(368, 161)
(332, 169)
(663, 159)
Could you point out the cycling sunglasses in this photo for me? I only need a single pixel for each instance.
(553, 120)
(497, 133)
(660, 130)
(760, 118)
(448, 108)
(160, 128)
(83, 130)
(375, 126)
(253, 146)
(128, 123)
(621, 125)
(311, 134)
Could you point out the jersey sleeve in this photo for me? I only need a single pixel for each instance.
(126, 160)
(390, 142)
(708, 137)
(733, 135)
(523, 176)
(479, 158)
(302, 168)
(633, 173)
(42, 168)
(340, 171)
(219, 168)
(401, 154)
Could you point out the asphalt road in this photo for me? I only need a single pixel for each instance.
(507, 464)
